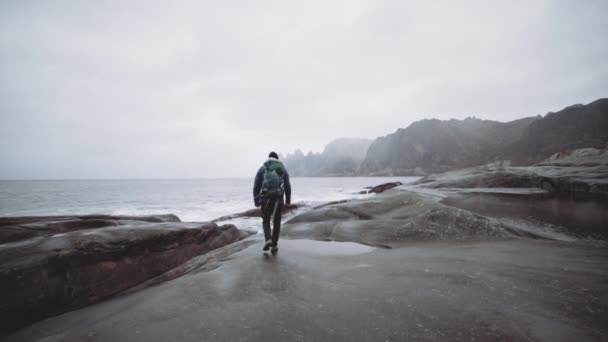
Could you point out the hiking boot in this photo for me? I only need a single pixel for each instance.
(267, 245)
(274, 249)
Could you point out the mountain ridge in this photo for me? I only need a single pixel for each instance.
(433, 145)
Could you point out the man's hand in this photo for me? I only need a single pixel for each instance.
(257, 203)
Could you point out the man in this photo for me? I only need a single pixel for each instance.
(271, 183)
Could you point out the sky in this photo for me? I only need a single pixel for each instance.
(188, 89)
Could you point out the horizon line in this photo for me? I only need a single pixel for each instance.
(174, 178)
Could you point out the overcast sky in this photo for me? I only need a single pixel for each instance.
(130, 89)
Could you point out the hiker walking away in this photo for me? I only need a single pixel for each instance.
(271, 184)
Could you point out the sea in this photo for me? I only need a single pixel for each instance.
(192, 200)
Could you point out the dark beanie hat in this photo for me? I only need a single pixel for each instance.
(273, 155)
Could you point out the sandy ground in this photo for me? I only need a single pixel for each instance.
(514, 290)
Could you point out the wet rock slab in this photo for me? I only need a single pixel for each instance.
(515, 290)
(23, 227)
(72, 262)
(583, 218)
(394, 218)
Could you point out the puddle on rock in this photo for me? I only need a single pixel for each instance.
(327, 248)
(583, 218)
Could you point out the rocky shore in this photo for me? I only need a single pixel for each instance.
(396, 218)
(399, 265)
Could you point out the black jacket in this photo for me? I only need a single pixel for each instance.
(259, 181)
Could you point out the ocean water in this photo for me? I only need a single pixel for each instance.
(189, 199)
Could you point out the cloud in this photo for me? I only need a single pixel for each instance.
(198, 89)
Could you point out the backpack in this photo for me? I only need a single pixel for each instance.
(273, 180)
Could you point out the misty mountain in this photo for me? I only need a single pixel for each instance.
(430, 146)
(574, 127)
(341, 157)
(437, 146)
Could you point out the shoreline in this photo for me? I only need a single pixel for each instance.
(190, 200)
(396, 221)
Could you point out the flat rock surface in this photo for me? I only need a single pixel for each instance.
(579, 172)
(580, 218)
(567, 180)
(516, 290)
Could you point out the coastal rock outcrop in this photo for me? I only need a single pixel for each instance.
(82, 264)
(394, 218)
(23, 227)
(378, 189)
(578, 172)
(515, 290)
(472, 281)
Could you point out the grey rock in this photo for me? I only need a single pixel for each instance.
(23, 227)
(574, 173)
(50, 274)
(256, 212)
(515, 290)
(395, 218)
(378, 189)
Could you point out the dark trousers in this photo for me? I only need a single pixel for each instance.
(272, 209)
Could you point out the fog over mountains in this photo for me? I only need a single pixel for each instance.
(341, 157)
(430, 146)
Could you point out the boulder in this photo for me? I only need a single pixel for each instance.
(383, 187)
(48, 275)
